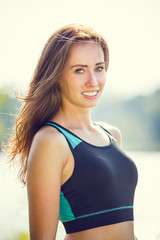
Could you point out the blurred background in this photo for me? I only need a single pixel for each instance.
(131, 98)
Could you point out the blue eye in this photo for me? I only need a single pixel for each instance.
(79, 70)
(99, 69)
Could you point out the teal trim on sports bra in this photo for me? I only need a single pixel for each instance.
(104, 211)
(66, 213)
(74, 141)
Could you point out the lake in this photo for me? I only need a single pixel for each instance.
(13, 200)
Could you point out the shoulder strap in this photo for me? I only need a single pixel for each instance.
(71, 138)
(106, 131)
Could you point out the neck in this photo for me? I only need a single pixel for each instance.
(73, 117)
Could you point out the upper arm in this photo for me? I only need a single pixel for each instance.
(114, 131)
(44, 173)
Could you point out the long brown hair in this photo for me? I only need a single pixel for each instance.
(44, 96)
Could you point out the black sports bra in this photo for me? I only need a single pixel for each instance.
(101, 189)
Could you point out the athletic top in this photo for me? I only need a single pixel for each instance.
(101, 188)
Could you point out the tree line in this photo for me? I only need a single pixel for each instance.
(137, 118)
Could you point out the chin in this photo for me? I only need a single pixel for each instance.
(91, 105)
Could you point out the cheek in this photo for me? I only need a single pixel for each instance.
(102, 81)
(76, 82)
(64, 87)
(70, 85)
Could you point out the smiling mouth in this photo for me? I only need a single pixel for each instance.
(90, 94)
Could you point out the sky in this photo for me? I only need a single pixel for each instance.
(131, 28)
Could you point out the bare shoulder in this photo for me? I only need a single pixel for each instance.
(114, 131)
(48, 142)
(49, 135)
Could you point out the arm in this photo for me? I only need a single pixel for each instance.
(44, 173)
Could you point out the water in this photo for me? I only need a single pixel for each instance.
(147, 198)
(13, 200)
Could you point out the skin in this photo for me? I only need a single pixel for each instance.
(50, 161)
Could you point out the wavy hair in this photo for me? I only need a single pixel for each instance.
(44, 95)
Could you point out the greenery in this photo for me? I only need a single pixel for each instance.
(8, 107)
(137, 118)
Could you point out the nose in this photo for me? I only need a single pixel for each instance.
(92, 80)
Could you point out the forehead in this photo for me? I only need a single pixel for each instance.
(85, 52)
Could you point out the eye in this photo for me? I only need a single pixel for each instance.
(99, 69)
(79, 70)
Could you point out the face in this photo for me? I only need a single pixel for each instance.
(83, 77)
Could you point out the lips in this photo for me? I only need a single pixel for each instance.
(90, 93)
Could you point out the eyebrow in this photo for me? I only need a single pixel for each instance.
(82, 65)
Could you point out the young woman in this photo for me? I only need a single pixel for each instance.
(74, 168)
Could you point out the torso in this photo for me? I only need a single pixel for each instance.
(118, 231)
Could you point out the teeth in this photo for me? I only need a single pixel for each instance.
(90, 93)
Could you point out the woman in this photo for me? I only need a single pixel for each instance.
(74, 168)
